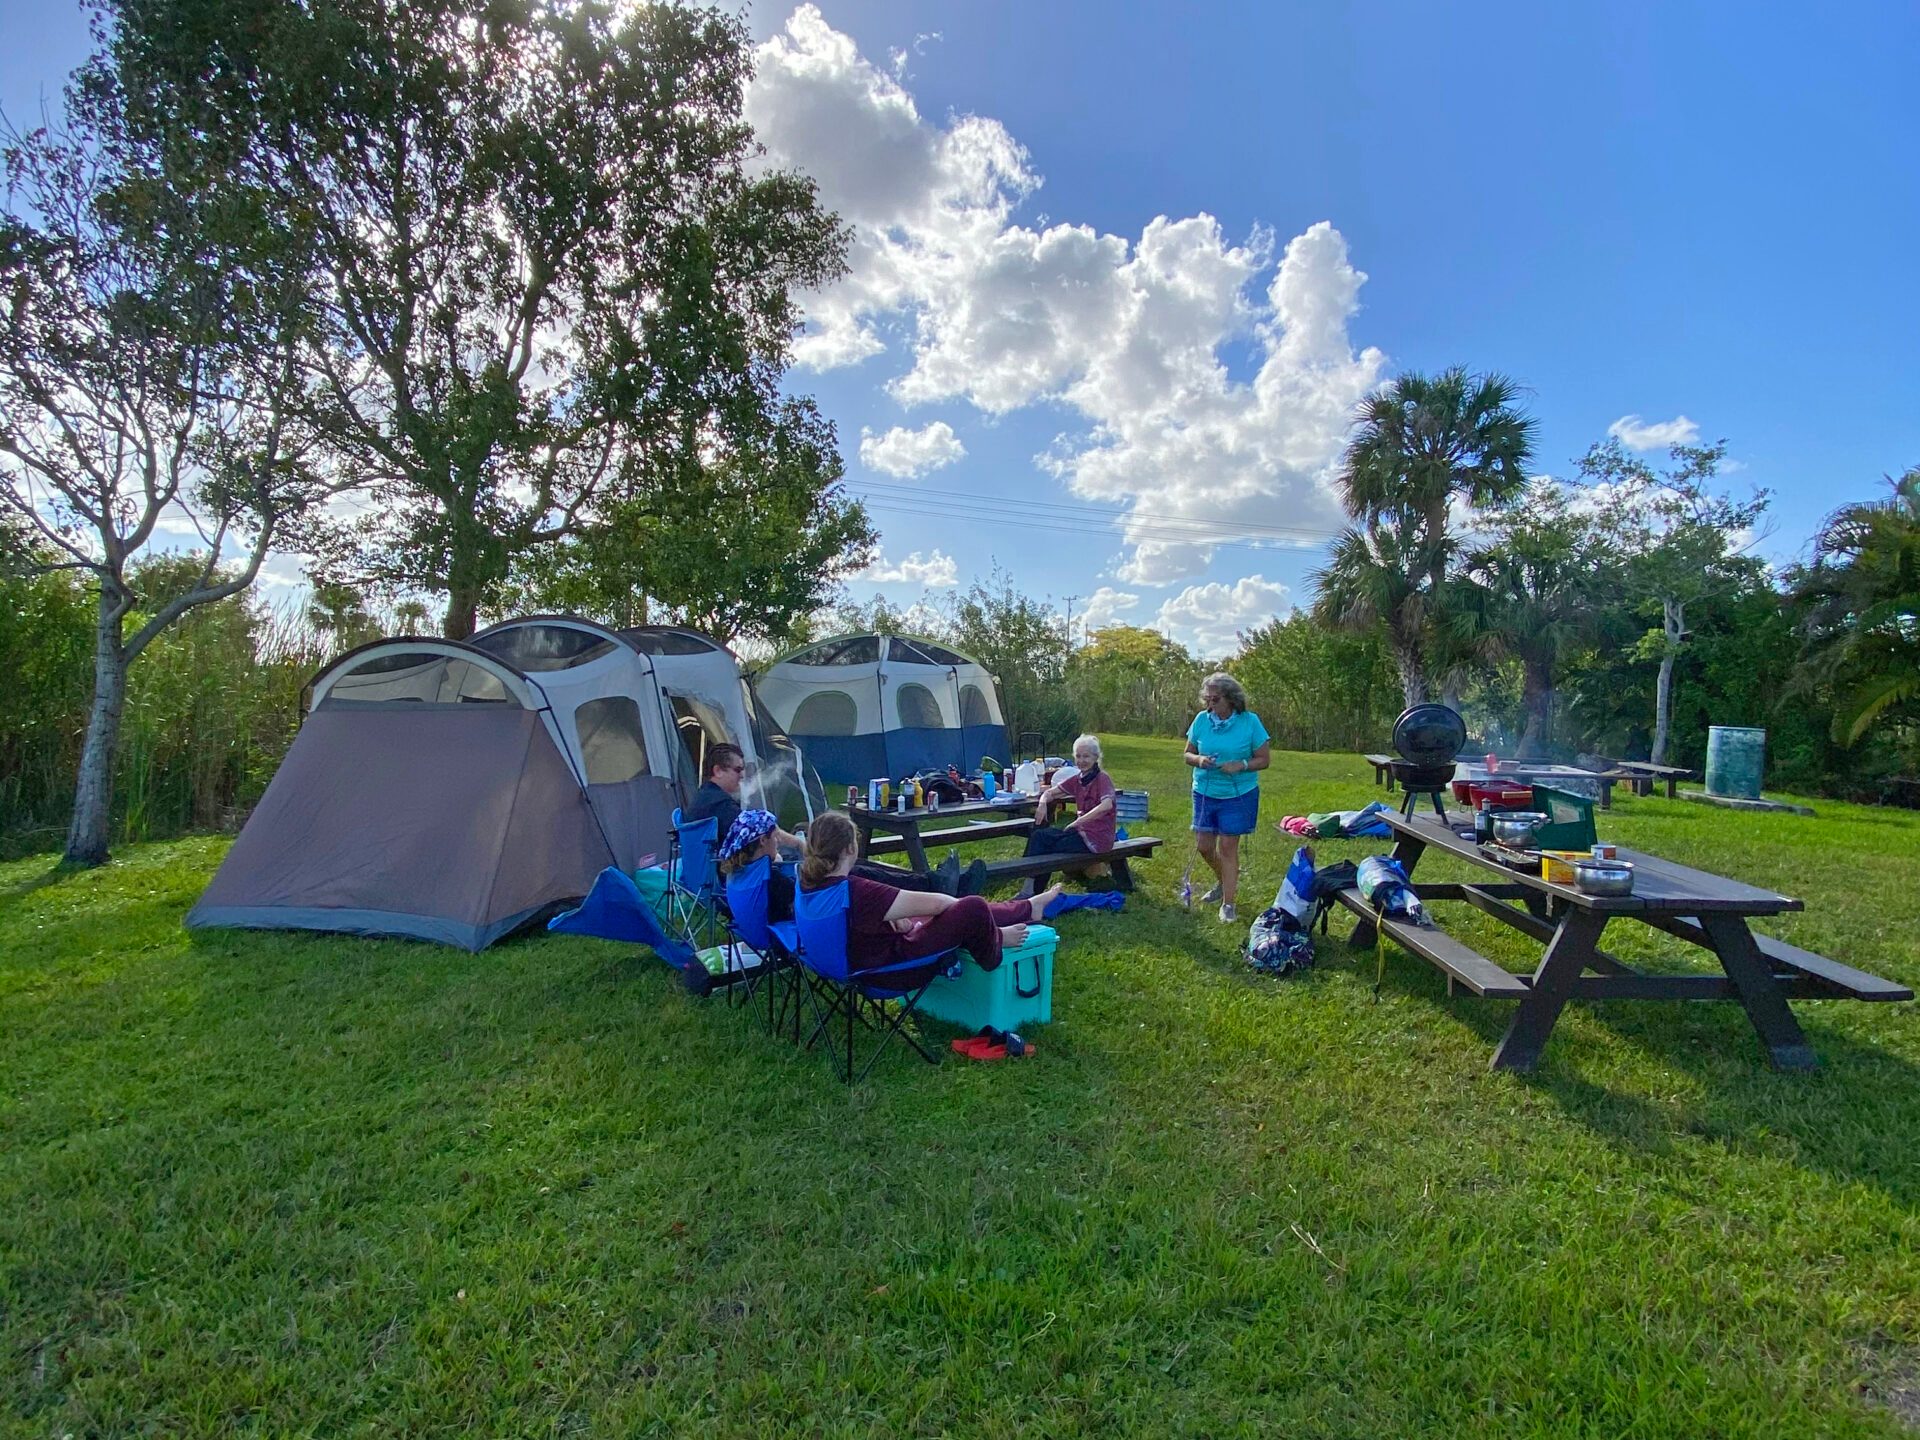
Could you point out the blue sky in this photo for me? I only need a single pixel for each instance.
(1637, 210)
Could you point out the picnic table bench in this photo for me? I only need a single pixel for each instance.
(1382, 769)
(1760, 972)
(1039, 868)
(1642, 774)
(966, 834)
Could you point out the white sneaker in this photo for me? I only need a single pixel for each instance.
(1228, 914)
(1212, 897)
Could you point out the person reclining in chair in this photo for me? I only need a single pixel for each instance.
(1091, 832)
(886, 925)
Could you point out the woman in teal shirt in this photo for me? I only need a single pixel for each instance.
(1226, 745)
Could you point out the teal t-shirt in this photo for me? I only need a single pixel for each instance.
(1235, 739)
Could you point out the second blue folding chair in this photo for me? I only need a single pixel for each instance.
(775, 942)
(880, 1000)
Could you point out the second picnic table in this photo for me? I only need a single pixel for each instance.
(903, 827)
(1703, 909)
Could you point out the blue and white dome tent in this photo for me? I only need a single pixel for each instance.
(860, 706)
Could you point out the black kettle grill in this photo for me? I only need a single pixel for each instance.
(1427, 739)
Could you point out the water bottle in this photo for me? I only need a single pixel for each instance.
(989, 787)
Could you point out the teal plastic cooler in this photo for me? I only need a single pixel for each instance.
(1016, 996)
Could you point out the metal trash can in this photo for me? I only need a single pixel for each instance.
(1736, 761)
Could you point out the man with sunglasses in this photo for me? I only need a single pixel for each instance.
(719, 796)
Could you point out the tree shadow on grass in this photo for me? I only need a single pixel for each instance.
(56, 874)
(1852, 1119)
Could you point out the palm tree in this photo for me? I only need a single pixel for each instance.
(1538, 583)
(1862, 616)
(1421, 445)
(1368, 581)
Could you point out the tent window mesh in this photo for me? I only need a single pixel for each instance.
(918, 709)
(973, 706)
(827, 712)
(420, 675)
(533, 648)
(854, 650)
(659, 641)
(612, 743)
(700, 726)
(939, 654)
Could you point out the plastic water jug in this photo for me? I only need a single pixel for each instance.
(1027, 778)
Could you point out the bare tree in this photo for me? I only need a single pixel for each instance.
(146, 370)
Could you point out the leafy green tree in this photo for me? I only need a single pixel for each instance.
(147, 337)
(1319, 686)
(1133, 680)
(339, 613)
(1535, 587)
(742, 552)
(557, 279)
(1422, 445)
(1682, 540)
(1022, 641)
(1860, 611)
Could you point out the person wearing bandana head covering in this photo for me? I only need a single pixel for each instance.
(753, 836)
(1227, 747)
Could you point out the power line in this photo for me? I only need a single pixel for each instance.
(1200, 531)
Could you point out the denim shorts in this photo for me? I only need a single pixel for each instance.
(1237, 816)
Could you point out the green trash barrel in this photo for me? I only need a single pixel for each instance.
(1736, 759)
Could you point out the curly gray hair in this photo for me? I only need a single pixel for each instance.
(1224, 685)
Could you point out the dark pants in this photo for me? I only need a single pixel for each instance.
(971, 924)
(898, 878)
(1049, 841)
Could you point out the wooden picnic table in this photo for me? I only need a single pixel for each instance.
(1642, 774)
(906, 825)
(1707, 910)
(1525, 771)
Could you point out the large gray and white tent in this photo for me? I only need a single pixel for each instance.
(452, 792)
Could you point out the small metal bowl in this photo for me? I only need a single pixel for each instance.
(1516, 827)
(1603, 877)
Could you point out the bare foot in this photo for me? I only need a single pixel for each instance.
(1045, 898)
(1013, 936)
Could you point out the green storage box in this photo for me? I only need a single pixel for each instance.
(1016, 996)
(1569, 820)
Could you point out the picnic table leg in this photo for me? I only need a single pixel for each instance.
(866, 841)
(916, 852)
(1407, 850)
(1671, 793)
(1568, 954)
(1740, 957)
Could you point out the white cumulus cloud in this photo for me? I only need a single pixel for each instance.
(1637, 434)
(1128, 335)
(935, 570)
(911, 453)
(1209, 619)
(1105, 605)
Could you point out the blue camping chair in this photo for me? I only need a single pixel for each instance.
(858, 997)
(616, 910)
(696, 884)
(777, 942)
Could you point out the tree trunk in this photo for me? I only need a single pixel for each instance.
(87, 832)
(1450, 690)
(463, 613)
(1537, 687)
(1413, 673)
(1673, 626)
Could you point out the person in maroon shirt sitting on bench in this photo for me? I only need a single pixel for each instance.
(886, 925)
(1091, 832)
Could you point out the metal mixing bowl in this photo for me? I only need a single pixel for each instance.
(1516, 827)
(1603, 877)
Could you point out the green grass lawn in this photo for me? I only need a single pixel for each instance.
(315, 1185)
